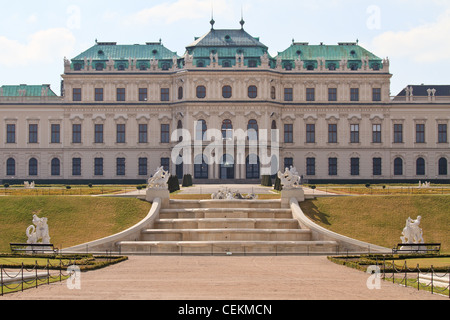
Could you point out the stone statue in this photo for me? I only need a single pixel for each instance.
(159, 180)
(38, 231)
(290, 178)
(412, 234)
(229, 195)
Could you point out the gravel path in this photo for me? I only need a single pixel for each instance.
(224, 278)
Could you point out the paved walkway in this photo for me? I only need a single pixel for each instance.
(224, 278)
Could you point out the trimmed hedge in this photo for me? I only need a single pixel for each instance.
(266, 181)
(187, 180)
(174, 184)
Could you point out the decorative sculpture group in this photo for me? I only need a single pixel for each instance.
(229, 195)
(159, 180)
(290, 179)
(28, 185)
(38, 231)
(412, 234)
(425, 185)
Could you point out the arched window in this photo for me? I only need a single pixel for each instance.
(443, 167)
(121, 67)
(179, 129)
(227, 92)
(420, 167)
(310, 67)
(252, 63)
(273, 93)
(252, 130)
(252, 92)
(10, 167)
(288, 66)
(226, 64)
(332, 66)
(252, 165)
(56, 167)
(200, 130)
(77, 66)
(165, 66)
(180, 93)
(398, 167)
(227, 129)
(200, 64)
(99, 66)
(143, 67)
(33, 167)
(201, 92)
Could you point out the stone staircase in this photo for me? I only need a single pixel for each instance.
(226, 227)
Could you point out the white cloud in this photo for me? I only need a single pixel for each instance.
(424, 43)
(171, 12)
(44, 46)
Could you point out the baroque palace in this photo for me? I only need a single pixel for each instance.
(120, 104)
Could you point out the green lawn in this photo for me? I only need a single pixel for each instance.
(72, 220)
(380, 220)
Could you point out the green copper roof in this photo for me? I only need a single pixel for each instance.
(350, 51)
(105, 51)
(24, 90)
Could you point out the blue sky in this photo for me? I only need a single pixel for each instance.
(35, 36)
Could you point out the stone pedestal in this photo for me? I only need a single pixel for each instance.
(153, 194)
(296, 193)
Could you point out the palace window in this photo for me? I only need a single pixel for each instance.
(56, 167)
(310, 133)
(10, 167)
(76, 94)
(252, 92)
(420, 167)
(120, 166)
(143, 133)
(273, 93)
(252, 130)
(354, 133)
(143, 166)
(398, 133)
(442, 133)
(332, 133)
(354, 166)
(201, 167)
(288, 94)
(120, 135)
(55, 133)
(33, 133)
(98, 94)
(311, 166)
(165, 163)
(252, 63)
(376, 164)
(165, 94)
(376, 94)
(201, 92)
(11, 133)
(420, 133)
(288, 133)
(310, 94)
(398, 167)
(76, 166)
(165, 133)
(227, 92)
(180, 93)
(354, 94)
(143, 94)
(376, 133)
(227, 129)
(332, 94)
(98, 166)
(98, 133)
(200, 130)
(33, 167)
(120, 94)
(76, 133)
(332, 166)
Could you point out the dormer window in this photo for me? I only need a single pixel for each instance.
(288, 66)
(226, 64)
(77, 66)
(121, 67)
(142, 67)
(332, 67)
(376, 66)
(227, 38)
(310, 67)
(99, 66)
(200, 64)
(353, 66)
(252, 64)
(165, 66)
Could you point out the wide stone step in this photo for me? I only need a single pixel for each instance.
(225, 213)
(261, 204)
(225, 235)
(233, 247)
(227, 224)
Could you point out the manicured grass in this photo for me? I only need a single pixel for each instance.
(72, 220)
(380, 220)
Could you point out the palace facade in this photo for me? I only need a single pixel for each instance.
(120, 104)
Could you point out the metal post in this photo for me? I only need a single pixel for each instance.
(22, 276)
(36, 269)
(48, 272)
(418, 277)
(432, 278)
